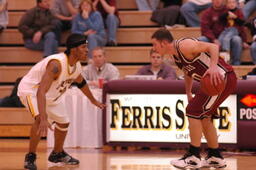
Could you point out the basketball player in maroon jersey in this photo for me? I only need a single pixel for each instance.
(197, 59)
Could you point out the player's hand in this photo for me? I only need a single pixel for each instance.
(43, 125)
(216, 77)
(99, 105)
(37, 37)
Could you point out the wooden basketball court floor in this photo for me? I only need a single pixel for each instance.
(12, 153)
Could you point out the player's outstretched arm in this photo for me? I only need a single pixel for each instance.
(83, 86)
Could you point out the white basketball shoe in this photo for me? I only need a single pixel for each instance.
(215, 162)
(188, 161)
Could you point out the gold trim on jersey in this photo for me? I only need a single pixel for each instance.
(36, 86)
(30, 105)
(68, 67)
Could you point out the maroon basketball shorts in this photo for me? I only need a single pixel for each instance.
(202, 105)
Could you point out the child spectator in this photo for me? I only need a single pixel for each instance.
(233, 21)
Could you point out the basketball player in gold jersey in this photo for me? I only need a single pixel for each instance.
(42, 91)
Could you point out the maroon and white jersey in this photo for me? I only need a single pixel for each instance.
(196, 68)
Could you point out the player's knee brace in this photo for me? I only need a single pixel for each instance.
(61, 128)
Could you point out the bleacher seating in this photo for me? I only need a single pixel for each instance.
(127, 18)
(131, 53)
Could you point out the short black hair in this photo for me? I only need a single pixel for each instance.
(38, 1)
(163, 34)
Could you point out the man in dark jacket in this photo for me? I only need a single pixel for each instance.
(38, 26)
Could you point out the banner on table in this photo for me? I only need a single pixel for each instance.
(161, 118)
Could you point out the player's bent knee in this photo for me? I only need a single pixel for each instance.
(62, 127)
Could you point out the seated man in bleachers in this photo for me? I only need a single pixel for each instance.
(38, 26)
(158, 68)
(99, 69)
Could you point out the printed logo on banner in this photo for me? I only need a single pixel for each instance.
(160, 118)
(247, 107)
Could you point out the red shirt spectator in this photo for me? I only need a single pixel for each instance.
(211, 27)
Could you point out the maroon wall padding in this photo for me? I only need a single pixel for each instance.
(146, 87)
(246, 134)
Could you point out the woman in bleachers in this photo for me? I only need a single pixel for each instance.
(90, 23)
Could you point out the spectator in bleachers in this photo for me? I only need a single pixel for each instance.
(37, 26)
(191, 9)
(158, 68)
(64, 11)
(109, 12)
(3, 15)
(13, 100)
(253, 45)
(234, 25)
(147, 5)
(248, 8)
(211, 29)
(169, 15)
(90, 23)
(99, 68)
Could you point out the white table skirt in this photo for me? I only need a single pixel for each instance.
(85, 129)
